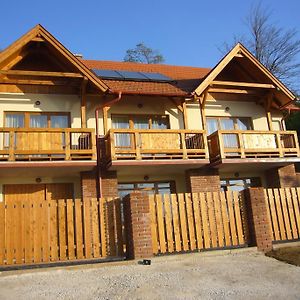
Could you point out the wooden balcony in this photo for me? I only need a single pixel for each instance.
(156, 144)
(23, 144)
(230, 144)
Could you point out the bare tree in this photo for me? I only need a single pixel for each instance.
(143, 54)
(276, 48)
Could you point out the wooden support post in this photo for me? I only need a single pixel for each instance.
(268, 104)
(202, 101)
(68, 145)
(185, 118)
(83, 103)
(105, 118)
(11, 146)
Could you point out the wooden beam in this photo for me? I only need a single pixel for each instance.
(83, 103)
(40, 73)
(38, 39)
(232, 91)
(177, 103)
(243, 84)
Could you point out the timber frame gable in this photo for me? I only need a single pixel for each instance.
(277, 94)
(14, 54)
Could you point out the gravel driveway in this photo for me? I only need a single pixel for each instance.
(238, 274)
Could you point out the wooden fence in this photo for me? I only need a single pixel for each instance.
(284, 212)
(187, 222)
(43, 231)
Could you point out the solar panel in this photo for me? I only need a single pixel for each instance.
(130, 75)
(156, 76)
(108, 74)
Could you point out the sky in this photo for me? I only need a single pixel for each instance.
(186, 32)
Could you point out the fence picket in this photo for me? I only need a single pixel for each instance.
(190, 219)
(296, 204)
(212, 220)
(204, 215)
(238, 219)
(183, 224)
(70, 229)
(285, 214)
(168, 219)
(154, 235)
(279, 214)
(219, 222)
(291, 213)
(78, 229)
(225, 218)
(198, 226)
(271, 204)
(161, 226)
(231, 218)
(2, 233)
(62, 240)
(174, 202)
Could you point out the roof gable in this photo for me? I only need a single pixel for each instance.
(262, 74)
(17, 54)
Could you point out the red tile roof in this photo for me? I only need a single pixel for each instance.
(186, 79)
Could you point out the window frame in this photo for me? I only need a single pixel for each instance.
(28, 113)
(252, 179)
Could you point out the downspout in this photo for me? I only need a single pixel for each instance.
(97, 109)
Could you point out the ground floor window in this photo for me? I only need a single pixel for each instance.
(148, 187)
(239, 184)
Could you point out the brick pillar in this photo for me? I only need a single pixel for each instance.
(109, 184)
(137, 225)
(259, 222)
(282, 177)
(90, 186)
(202, 180)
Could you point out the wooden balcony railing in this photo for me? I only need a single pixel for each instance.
(253, 144)
(47, 144)
(144, 144)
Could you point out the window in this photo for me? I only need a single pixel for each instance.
(239, 184)
(226, 123)
(37, 120)
(148, 187)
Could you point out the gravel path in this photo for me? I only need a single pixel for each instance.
(211, 275)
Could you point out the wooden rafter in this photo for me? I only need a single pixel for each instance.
(243, 84)
(34, 82)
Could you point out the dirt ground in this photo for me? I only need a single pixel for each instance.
(238, 274)
(290, 255)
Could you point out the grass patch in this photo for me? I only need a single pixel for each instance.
(289, 255)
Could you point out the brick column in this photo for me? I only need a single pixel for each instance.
(90, 184)
(282, 177)
(258, 219)
(137, 225)
(202, 180)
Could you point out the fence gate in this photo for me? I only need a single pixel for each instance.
(42, 223)
(187, 222)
